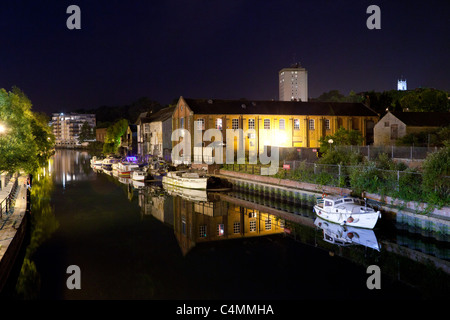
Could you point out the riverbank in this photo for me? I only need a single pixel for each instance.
(434, 221)
(13, 225)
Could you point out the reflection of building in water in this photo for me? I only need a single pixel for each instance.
(196, 222)
(71, 165)
(154, 202)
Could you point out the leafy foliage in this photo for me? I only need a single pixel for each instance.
(27, 138)
(113, 136)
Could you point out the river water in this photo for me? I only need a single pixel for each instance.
(145, 242)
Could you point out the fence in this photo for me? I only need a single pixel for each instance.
(8, 201)
(372, 152)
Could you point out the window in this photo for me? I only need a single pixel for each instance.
(202, 231)
(386, 123)
(200, 124)
(181, 123)
(252, 225)
(237, 227)
(327, 124)
(251, 123)
(296, 124)
(282, 124)
(311, 124)
(266, 123)
(268, 224)
(235, 124)
(219, 123)
(183, 225)
(220, 229)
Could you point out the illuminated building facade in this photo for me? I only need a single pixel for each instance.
(67, 127)
(286, 124)
(293, 84)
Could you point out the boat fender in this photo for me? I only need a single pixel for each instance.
(324, 195)
(350, 235)
(350, 219)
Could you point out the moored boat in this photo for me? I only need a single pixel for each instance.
(139, 175)
(346, 210)
(186, 179)
(126, 168)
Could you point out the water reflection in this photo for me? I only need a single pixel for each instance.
(43, 225)
(197, 216)
(347, 236)
(157, 242)
(70, 166)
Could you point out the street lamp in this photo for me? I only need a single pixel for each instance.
(330, 142)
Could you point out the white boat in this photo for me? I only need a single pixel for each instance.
(185, 179)
(188, 194)
(139, 175)
(96, 163)
(347, 236)
(126, 168)
(108, 162)
(348, 211)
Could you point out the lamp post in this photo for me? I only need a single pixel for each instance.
(330, 142)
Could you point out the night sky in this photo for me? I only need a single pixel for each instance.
(216, 49)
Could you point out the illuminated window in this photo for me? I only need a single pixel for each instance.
(235, 124)
(282, 124)
(237, 227)
(219, 123)
(266, 123)
(252, 225)
(311, 124)
(181, 123)
(296, 124)
(327, 124)
(251, 123)
(220, 229)
(268, 224)
(200, 124)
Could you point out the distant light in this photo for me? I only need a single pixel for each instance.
(2, 128)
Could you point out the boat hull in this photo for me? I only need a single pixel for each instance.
(189, 183)
(359, 220)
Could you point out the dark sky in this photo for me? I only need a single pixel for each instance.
(216, 49)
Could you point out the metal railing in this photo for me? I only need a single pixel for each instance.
(9, 200)
(393, 152)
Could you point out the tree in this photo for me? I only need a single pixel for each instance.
(342, 137)
(425, 100)
(113, 136)
(436, 172)
(86, 133)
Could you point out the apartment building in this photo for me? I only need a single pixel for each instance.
(67, 127)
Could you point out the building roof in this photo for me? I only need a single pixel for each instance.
(213, 106)
(423, 119)
(161, 115)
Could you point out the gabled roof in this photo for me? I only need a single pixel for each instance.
(213, 106)
(423, 119)
(161, 115)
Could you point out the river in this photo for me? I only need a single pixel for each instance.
(145, 242)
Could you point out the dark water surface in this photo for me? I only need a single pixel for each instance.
(134, 242)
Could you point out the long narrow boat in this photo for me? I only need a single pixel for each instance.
(348, 211)
(185, 179)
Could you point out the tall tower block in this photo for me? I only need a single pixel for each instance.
(293, 83)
